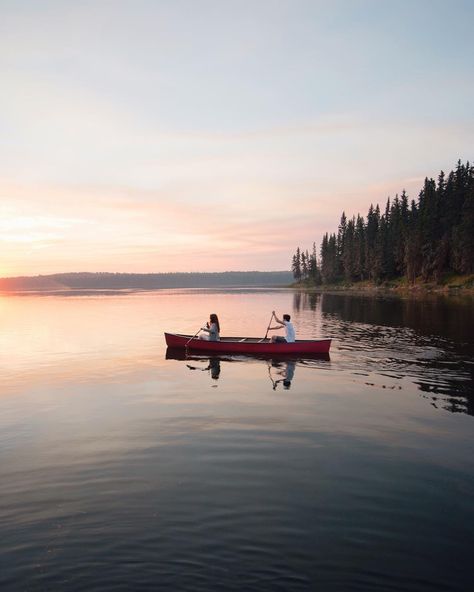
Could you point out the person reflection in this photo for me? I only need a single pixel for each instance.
(214, 367)
(287, 372)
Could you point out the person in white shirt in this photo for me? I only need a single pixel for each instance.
(287, 325)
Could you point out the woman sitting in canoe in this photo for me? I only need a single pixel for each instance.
(289, 329)
(212, 327)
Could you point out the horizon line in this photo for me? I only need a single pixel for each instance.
(143, 273)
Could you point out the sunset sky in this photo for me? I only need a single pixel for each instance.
(210, 135)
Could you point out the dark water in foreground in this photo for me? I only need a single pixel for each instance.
(124, 468)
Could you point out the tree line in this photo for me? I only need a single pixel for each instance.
(145, 281)
(425, 239)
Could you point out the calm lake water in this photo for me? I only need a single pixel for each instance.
(124, 468)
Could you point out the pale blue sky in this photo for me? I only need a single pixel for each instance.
(225, 133)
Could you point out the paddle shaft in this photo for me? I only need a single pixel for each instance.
(271, 319)
(195, 335)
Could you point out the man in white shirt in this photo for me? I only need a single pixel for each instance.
(287, 325)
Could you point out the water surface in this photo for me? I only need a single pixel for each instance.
(124, 466)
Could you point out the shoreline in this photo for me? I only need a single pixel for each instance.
(456, 287)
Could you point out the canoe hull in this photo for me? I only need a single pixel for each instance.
(248, 345)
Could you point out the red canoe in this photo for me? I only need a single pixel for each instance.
(248, 345)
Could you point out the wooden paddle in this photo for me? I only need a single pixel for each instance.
(195, 335)
(271, 318)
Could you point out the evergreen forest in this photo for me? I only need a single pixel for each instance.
(422, 240)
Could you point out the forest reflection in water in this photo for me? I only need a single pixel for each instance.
(429, 339)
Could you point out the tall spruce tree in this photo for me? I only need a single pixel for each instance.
(348, 253)
(359, 249)
(296, 265)
(340, 246)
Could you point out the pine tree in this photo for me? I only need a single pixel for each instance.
(329, 259)
(359, 249)
(304, 266)
(348, 254)
(371, 229)
(333, 259)
(429, 226)
(340, 246)
(463, 232)
(400, 234)
(390, 223)
(413, 245)
(296, 265)
(314, 273)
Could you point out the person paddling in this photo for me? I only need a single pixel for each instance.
(213, 328)
(287, 325)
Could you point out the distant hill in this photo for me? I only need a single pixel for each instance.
(144, 281)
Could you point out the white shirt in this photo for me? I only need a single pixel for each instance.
(290, 331)
(213, 332)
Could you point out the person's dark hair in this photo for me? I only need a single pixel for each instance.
(286, 317)
(213, 318)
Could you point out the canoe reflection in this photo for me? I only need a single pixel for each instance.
(281, 369)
